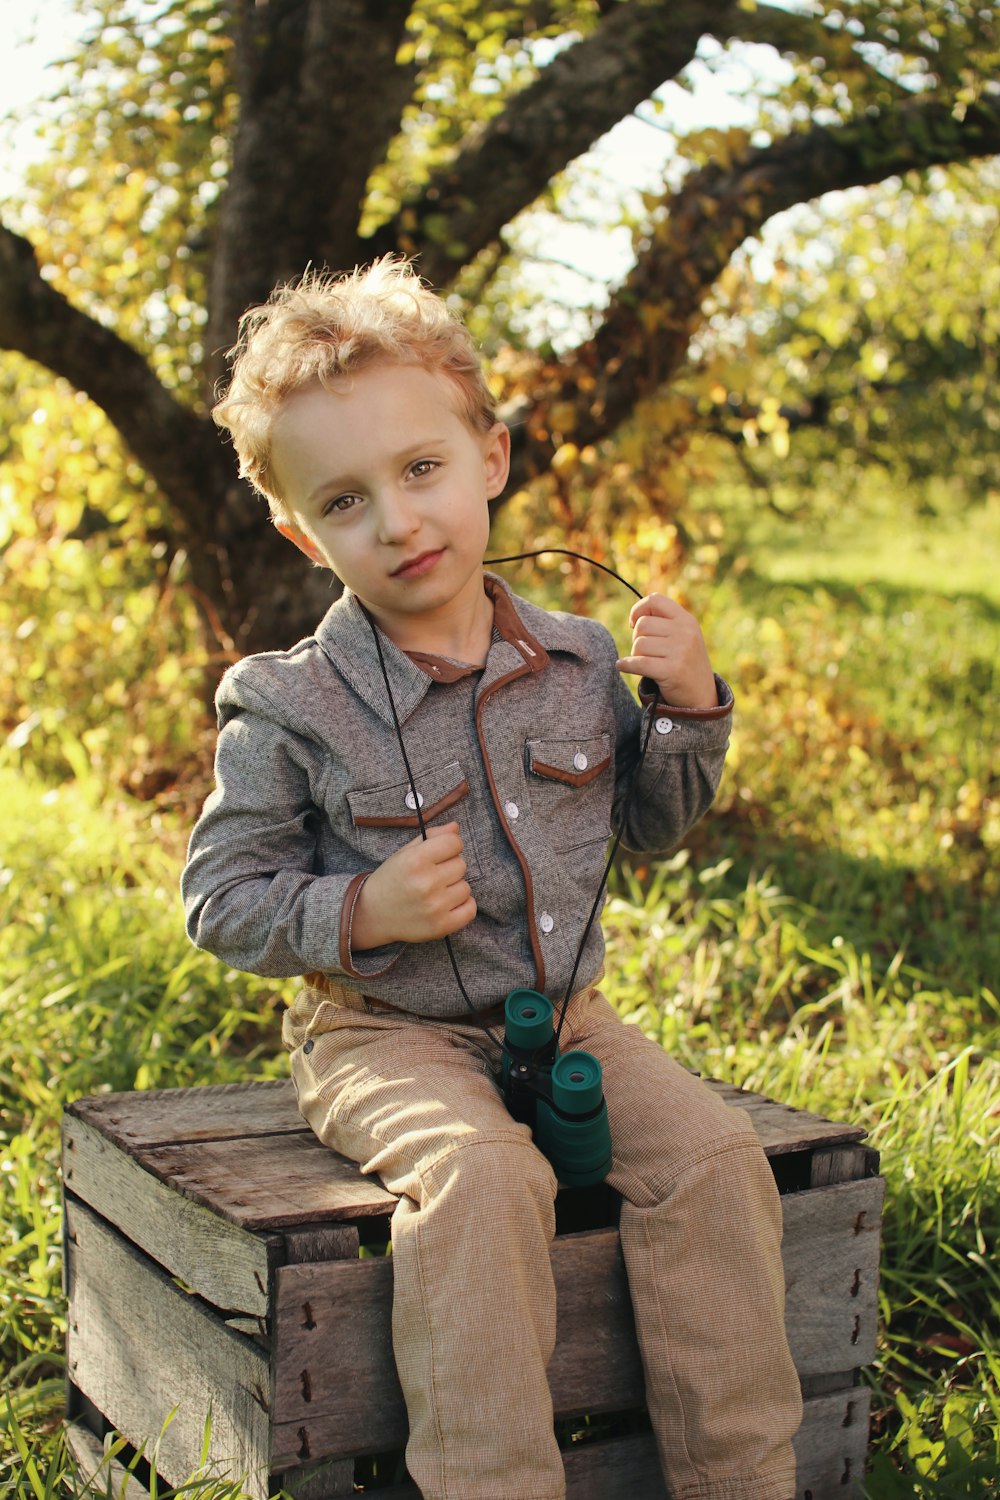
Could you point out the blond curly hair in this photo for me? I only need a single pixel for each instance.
(323, 327)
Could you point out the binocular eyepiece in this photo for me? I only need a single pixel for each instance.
(560, 1096)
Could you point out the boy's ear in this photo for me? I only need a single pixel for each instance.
(497, 459)
(299, 539)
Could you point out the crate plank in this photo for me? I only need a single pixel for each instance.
(829, 1450)
(781, 1128)
(332, 1317)
(842, 1164)
(269, 1182)
(220, 1261)
(596, 1330)
(139, 1347)
(95, 1469)
(235, 1110)
(151, 1117)
(831, 1257)
(831, 1445)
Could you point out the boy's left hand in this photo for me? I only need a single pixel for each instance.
(668, 646)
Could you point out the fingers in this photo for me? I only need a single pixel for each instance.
(669, 648)
(656, 640)
(655, 606)
(430, 895)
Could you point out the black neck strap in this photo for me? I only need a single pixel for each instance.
(622, 822)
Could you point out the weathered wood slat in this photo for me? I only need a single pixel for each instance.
(95, 1469)
(831, 1257)
(325, 1481)
(781, 1128)
(831, 1444)
(269, 1182)
(220, 1261)
(844, 1163)
(594, 1322)
(160, 1117)
(829, 1449)
(336, 1317)
(153, 1117)
(141, 1348)
(243, 1151)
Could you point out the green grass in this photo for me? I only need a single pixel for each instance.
(829, 938)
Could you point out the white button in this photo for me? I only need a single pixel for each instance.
(411, 802)
(512, 810)
(580, 761)
(664, 726)
(545, 922)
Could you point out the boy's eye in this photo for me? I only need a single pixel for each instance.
(423, 466)
(340, 503)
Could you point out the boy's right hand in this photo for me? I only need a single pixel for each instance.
(416, 895)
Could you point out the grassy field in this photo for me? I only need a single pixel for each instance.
(828, 937)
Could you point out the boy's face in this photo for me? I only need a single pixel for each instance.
(388, 485)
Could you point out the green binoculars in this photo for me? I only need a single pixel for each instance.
(559, 1096)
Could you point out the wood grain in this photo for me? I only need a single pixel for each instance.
(831, 1256)
(145, 1352)
(220, 1261)
(829, 1449)
(330, 1319)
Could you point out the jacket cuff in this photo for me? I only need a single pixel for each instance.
(373, 961)
(649, 697)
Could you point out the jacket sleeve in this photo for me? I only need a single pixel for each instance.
(681, 770)
(253, 889)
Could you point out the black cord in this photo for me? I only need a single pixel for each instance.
(420, 817)
(563, 552)
(626, 805)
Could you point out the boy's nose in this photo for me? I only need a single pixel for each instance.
(398, 518)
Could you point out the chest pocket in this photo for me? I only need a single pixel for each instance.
(385, 817)
(571, 789)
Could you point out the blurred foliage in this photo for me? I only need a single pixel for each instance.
(104, 662)
(879, 338)
(120, 208)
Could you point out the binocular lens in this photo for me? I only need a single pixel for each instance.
(529, 1019)
(576, 1083)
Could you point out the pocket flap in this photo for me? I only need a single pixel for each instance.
(575, 762)
(440, 789)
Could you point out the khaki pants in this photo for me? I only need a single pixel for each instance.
(474, 1304)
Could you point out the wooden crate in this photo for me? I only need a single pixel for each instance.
(212, 1262)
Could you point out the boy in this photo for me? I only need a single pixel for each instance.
(359, 409)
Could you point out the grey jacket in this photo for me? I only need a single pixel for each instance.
(531, 755)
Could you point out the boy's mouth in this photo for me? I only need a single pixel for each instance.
(414, 567)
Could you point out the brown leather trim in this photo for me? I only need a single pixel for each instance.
(498, 804)
(346, 914)
(410, 820)
(508, 622)
(649, 698)
(571, 778)
(439, 669)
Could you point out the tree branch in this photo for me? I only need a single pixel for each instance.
(179, 449)
(810, 36)
(650, 321)
(582, 93)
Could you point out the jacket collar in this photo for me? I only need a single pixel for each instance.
(528, 635)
